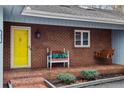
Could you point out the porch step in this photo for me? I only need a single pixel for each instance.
(31, 82)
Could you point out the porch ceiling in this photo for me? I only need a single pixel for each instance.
(12, 10)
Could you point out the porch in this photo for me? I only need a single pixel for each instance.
(34, 77)
(54, 33)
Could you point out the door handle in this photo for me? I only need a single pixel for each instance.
(29, 47)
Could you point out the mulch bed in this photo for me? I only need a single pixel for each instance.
(59, 83)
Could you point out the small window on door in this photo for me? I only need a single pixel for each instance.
(82, 38)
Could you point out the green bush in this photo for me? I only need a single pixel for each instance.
(66, 78)
(89, 74)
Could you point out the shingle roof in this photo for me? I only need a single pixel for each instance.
(98, 15)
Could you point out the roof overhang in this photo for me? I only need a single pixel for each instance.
(27, 11)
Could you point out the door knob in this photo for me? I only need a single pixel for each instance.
(29, 47)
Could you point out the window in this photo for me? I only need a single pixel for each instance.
(82, 38)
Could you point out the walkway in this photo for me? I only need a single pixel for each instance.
(116, 84)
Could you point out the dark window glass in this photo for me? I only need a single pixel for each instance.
(85, 38)
(78, 42)
(78, 38)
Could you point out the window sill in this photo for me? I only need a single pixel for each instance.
(81, 46)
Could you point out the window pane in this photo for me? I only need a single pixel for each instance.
(85, 35)
(85, 38)
(78, 42)
(78, 36)
(85, 42)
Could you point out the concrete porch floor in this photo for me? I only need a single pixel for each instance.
(34, 77)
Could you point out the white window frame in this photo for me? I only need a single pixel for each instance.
(82, 31)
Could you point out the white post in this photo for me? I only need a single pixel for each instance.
(50, 64)
(64, 50)
(47, 50)
(68, 59)
(48, 58)
(64, 64)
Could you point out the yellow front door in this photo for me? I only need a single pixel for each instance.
(20, 48)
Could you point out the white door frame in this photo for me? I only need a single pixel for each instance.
(12, 46)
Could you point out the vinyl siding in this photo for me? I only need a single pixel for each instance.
(118, 45)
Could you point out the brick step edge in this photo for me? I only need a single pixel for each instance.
(40, 85)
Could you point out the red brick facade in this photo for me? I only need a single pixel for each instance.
(57, 38)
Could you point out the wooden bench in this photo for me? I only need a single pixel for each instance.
(51, 60)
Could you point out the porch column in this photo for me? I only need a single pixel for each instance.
(1, 47)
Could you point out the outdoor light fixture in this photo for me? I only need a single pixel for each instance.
(38, 34)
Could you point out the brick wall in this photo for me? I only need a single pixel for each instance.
(57, 38)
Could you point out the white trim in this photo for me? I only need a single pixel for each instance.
(12, 43)
(38, 13)
(82, 46)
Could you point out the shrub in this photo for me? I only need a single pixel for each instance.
(66, 78)
(89, 74)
